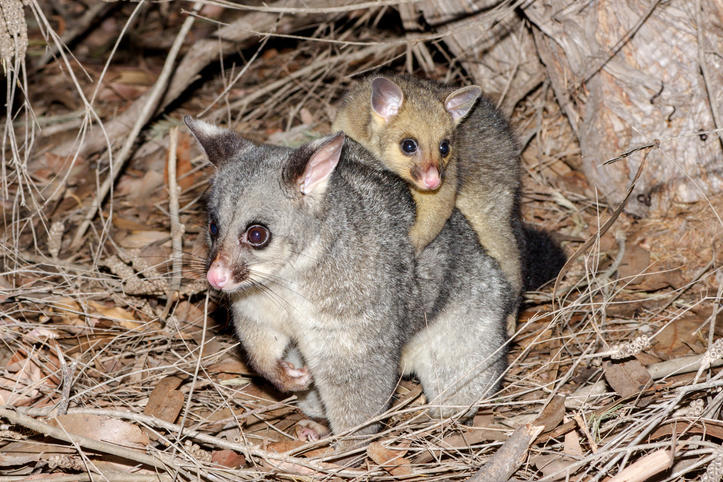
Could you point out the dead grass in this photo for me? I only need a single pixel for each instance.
(99, 346)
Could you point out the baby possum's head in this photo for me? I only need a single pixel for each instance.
(414, 128)
(260, 204)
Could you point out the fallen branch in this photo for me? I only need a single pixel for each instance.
(645, 467)
(510, 456)
(88, 443)
(143, 116)
(177, 229)
(247, 450)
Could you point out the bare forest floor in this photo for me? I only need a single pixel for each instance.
(103, 342)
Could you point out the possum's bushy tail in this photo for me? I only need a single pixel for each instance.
(543, 257)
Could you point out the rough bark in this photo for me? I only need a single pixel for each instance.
(627, 72)
(488, 39)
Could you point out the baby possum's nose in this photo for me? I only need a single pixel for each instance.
(431, 178)
(427, 176)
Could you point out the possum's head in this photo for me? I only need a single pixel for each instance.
(415, 130)
(261, 204)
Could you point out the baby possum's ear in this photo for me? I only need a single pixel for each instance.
(461, 101)
(387, 99)
(310, 166)
(218, 143)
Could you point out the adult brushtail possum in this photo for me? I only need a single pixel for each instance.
(312, 247)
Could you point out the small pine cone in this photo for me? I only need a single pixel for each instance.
(13, 32)
(714, 353)
(631, 348)
(714, 472)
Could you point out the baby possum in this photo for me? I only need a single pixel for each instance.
(454, 148)
(311, 245)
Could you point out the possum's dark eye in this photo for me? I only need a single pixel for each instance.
(409, 146)
(212, 229)
(258, 236)
(444, 148)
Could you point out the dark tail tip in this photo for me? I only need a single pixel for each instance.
(543, 259)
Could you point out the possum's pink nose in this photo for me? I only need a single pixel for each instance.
(431, 178)
(218, 275)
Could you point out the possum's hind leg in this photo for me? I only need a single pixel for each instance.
(457, 365)
(308, 401)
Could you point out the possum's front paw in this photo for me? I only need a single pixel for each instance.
(310, 431)
(292, 379)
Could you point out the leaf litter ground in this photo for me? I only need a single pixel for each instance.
(619, 367)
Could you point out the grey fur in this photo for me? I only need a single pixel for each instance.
(459, 353)
(339, 282)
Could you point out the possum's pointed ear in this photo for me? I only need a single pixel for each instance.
(218, 143)
(310, 166)
(387, 98)
(461, 101)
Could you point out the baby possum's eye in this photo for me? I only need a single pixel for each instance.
(213, 229)
(408, 146)
(444, 148)
(257, 236)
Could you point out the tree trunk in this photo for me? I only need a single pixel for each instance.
(620, 94)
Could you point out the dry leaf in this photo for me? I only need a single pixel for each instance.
(391, 460)
(627, 378)
(157, 257)
(64, 304)
(141, 239)
(140, 188)
(552, 414)
(572, 444)
(165, 402)
(635, 260)
(32, 451)
(709, 427)
(116, 91)
(117, 314)
(41, 333)
(552, 464)
(636, 271)
(228, 458)
(292, 444)
(232, 366)
(218, 419)
(21, 381)
(189, 316)
(5, 289)
(486, 427)
(469, 437)
(677, 338)
(285, 445)
(105, 429)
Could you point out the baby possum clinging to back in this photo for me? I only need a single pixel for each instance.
(454, 149)
(312, 247)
